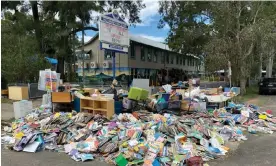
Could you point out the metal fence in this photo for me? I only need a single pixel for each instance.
(214, 84)
(34, 92)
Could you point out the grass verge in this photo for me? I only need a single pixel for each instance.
(6, 100)
(252, 93)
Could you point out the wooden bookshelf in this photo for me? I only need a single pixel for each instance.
(97, 106)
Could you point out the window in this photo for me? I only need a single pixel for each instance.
(107, 54)
(155, 56)
(132, 53)
(167, 57)
(172, 58)
(143, 52)
(83, 56)
(177, 59)
(180, 60)
(149, 55)
(163, 57)
(184, 61)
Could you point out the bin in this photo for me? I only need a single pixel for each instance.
(118, 107)
(166, 96)
(76, 104)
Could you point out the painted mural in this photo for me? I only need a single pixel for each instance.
(125, 75)
(93, 72)
(102, 76)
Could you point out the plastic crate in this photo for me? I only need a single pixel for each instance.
(118, 107)
(22, 108)
(138, 93)
(227, 89)
(166, 96)
(77, 104)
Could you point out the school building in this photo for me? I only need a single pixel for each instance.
(145, 58)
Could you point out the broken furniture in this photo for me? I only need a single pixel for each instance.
(18, 92)
(62, 98)
(97, 105)
(5, 92)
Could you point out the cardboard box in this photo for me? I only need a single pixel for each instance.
(211, 91)
(185, 105)
(89, 90)
(219, 90)
(18, 92)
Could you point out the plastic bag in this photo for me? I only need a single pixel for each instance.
(48, 80)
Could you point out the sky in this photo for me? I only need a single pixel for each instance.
(147, 28)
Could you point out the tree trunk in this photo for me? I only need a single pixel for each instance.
(261, 66)
(60, 67)
(38, 32)
(63, 56)
(70, 70)
(74, 55)
(269, 66)
(243, 85)
(272, 62)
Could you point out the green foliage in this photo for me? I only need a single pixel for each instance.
(20, 62)
(41, 34)
(238, 31)
(186, 20)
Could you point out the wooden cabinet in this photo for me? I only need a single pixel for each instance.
(97, 106)
(63, 101)
(5, 92)
(61, 97)
(18, 92)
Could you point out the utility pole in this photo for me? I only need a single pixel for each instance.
(83, 75)
(74, 55)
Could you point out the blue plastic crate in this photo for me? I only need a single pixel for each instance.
(118, 107)
(227, 89)
(166, 96)
(76, 104)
